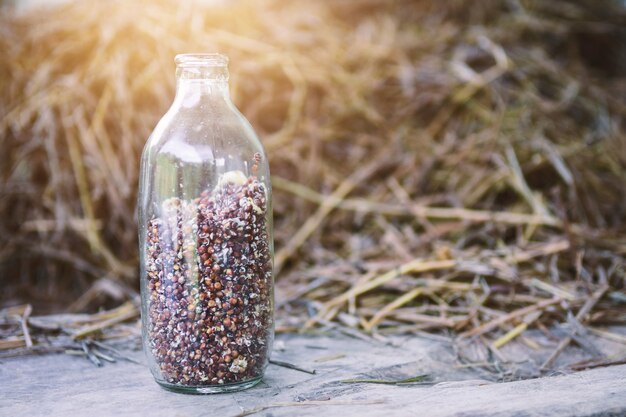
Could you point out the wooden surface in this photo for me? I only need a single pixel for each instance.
(64, 385)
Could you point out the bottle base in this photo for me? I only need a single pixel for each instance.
(209, 389)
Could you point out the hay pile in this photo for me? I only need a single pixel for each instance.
(454, 166)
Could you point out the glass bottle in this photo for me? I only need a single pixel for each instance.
(205, 237)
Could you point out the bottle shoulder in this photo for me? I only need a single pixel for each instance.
(195, 135)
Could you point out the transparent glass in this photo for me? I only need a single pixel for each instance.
(205, 238)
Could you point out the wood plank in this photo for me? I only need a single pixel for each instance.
(64, 385)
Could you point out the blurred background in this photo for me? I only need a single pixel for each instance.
(450, 160)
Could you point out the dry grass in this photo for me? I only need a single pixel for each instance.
(456, 167)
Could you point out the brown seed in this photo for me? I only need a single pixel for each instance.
(205, 332)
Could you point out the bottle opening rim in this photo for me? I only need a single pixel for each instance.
(203, 59)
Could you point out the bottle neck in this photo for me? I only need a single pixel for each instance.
(201, 83)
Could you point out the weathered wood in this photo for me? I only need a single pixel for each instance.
(64, 385)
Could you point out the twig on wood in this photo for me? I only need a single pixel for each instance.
(75, 352)
(24, 323)
(316, 347)
(292, 366)
(35, 350)
(348, 331)
(411, 380)
(96, 353)
(597, 363)
(102, 355)
(328, 358)
(117, 353)
(90, 355)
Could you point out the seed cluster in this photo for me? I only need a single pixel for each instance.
(209, 279)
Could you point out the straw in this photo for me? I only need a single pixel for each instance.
(437, 166)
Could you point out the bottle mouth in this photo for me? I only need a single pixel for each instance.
(201, 60)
